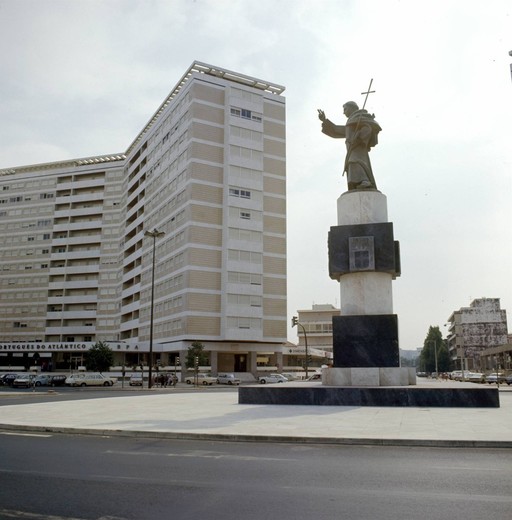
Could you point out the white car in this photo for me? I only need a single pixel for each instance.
(136, 379)
(90, 379)
(23, 380)
(273, 378)
(227, 379)
(200, 379)
(474, 377)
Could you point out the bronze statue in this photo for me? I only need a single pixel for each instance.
(360, 133)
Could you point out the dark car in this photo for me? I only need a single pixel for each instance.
(57, 380)
(8, 379)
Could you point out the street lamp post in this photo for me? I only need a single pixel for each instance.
(154, 235)
(295, 321)
(435, 355)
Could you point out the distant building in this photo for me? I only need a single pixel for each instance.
(317, 323)
(208, 170)
(474, 329)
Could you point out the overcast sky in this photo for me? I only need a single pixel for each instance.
(82, 77)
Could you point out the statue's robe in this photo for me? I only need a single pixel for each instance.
(360, 134)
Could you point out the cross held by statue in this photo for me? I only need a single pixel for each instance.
(368, 92)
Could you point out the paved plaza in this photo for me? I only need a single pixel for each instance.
(209, 414)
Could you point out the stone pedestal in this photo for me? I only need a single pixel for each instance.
(365, 259)
(365, 341)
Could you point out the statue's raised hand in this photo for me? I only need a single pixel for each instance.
(321, 115)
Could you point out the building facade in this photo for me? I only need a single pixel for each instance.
(316, 329)
(208, 171)
(474, 329)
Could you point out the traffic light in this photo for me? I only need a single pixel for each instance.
(196, 361)
(177, 360)
(295, 320)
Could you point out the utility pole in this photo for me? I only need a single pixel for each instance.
(295, 321)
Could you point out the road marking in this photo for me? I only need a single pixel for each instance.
(11, 513)
(27, 434)
(199, 454)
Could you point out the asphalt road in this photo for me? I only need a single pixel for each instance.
(125, 478)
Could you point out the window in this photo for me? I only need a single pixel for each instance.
(245, 215)
(245, 153)
(244, 278)
(245, 256)
(19, 325)
(240, 322)
(245, 114)
(239, 192)
(244, 299)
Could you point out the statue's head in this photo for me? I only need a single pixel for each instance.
(349, 108)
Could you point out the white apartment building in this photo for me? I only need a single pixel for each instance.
(209, 171)
(316, 329)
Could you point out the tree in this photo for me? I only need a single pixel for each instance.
(196, 350)
(99, 358)
(434, 340)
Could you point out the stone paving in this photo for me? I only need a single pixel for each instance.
(208, 414)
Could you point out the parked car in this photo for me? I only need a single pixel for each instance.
(227, 379)
(496, 378)
(273, 378)
(57, 380)
(90, 379)
(317, 376)
(474, 377)
(508, 380)
(7, 379)
(201, 379)
(42, 380)
(289, 376)
(456, 375)
(23, 381)
(136, 379)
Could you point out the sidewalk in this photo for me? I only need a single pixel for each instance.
(218, 416)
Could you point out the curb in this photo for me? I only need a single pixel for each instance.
(220, 437)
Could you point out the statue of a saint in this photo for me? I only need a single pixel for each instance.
(360, 133)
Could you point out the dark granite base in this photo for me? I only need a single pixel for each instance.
(365, 341)
(370, 396)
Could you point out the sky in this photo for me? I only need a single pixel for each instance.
(82, 77)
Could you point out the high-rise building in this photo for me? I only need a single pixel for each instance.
(208, 171)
